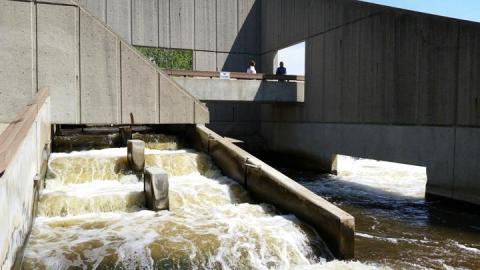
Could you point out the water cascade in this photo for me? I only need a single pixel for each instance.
(91, 214)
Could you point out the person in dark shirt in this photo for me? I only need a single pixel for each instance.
(281, 70)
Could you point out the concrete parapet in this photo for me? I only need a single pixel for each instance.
(156, 189)
(23, 150)
(243, 90)
(136, 155)
(268, 185)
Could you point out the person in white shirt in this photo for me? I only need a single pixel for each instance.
(251, 68)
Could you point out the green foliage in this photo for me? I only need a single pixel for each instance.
(169, 58)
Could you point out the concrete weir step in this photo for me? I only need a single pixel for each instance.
(136, 155)
(156, 188)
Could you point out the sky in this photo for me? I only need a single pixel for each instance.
(294, 56)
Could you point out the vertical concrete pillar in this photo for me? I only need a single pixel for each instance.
(136, 155)
(156, 189)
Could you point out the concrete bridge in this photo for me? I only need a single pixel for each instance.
(381, 82)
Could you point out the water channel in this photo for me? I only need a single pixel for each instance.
(91, 215)
(395, 226)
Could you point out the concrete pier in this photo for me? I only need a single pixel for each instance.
(136, 155)
(156, 189)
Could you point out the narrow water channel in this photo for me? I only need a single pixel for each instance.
(91, 215)
(395, 226)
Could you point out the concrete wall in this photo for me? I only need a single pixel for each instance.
(94, 76)
(18, 68)
(224, 34)
(268, 185)
(17, 188)
(207, 89)
(381, 83)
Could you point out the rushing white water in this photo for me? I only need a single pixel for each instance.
(400, 179)
(395, 226)
(91, 215)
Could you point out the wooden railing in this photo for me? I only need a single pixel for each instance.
(233, 75)
(12, 137)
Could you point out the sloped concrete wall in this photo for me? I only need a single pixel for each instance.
(381, 83)
(94, 76)
(227, 31)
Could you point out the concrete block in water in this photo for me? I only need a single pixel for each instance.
(156, 189)
(136, 154)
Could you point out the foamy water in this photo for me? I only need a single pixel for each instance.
(395, 226)
(91, 215)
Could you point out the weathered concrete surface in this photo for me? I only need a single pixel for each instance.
(270, 186)
(432, 147)
(156, 188)
(58, 63)
(97, 8)
(242, 90)
(249, 19)
(94, 77)
(17, 188)
(206, 61)
(468, 99)
(136, 155)
(100, 72)
(212, 26)
(164, 23)
(201, 115)
(119, 18)
(205, 25)
(18, 65)
(270, 62)
(145, 23)
(466, 185)
(182, 24)
(235, 62)
(176, 106)
(227, 26)
(139, 88)
(401, 79)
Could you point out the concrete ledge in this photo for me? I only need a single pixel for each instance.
(268, 185)
(207, 89)
(23, 153)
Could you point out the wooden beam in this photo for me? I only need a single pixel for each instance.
(17, 130)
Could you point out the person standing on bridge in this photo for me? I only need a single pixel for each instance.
(251, 69)
(281, 70)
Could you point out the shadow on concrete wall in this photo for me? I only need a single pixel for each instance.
(246, 46)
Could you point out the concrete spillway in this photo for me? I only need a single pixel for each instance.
(91, 214)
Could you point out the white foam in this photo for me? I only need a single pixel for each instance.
(114, 152)
(93, 189)
(343, 265)
(401, 179)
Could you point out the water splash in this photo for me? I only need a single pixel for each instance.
(91, 216)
